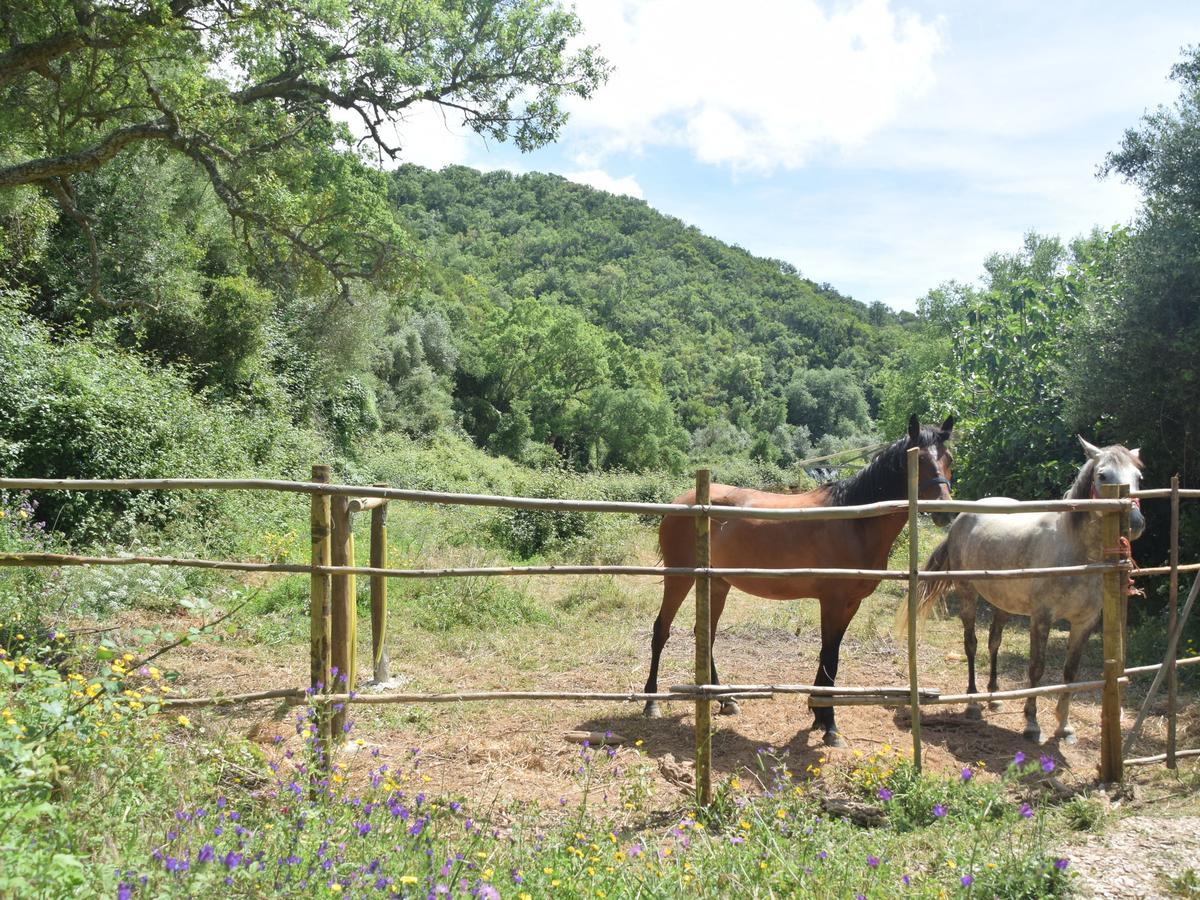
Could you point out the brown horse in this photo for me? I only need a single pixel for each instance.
(798, 543)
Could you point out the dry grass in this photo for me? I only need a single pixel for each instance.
(594, 634)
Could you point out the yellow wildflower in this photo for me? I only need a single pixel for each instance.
(184, 721)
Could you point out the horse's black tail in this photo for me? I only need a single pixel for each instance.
(929, 593)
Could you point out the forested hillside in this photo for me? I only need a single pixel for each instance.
(754, 359)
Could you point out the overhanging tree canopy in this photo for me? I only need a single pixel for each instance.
(256, 93)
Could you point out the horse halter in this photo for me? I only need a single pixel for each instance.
(930, 482)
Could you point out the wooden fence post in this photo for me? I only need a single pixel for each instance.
(1173, 624)
(379, 611)
(703, 647)
(914, 468)
(319, 632)
(342, 633)
(352, 593)
(1111, 764)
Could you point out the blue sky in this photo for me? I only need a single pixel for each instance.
(883, 146)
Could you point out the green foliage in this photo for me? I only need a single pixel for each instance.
(1001, 373)
(716, 331)
(251, 97)
(481, 604)
(828, 402)
(1136, 357)
(80, 409)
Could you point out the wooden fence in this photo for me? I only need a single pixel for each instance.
(333, 662)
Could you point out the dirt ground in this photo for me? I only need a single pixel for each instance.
(517, 751)
(506, 757)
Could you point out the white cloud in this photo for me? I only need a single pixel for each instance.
(598, 178)
(430, 138)
(757, 86)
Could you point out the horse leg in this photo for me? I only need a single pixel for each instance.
(966, 612)
(675, 589)
(1039, 631)
(1075, 644)
(835, 619)
(718, 591)
(995, 633)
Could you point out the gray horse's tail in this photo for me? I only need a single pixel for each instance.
(929, 593)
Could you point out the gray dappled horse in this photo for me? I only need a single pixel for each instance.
(1035, 540)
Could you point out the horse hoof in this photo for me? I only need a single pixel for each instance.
(833, 739)
(1033, 734)
(1066, 735)
(729, 708)
(995, 705)
(652, 710)
(974, 713)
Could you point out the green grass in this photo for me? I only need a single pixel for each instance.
(214, 815)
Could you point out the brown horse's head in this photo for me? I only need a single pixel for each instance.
(936, 462)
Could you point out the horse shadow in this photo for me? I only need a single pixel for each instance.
(974, 742)
(672, 737)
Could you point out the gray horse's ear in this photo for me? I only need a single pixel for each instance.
(947, 428)
(1091, 450)
(1136, 453)
(914, 429)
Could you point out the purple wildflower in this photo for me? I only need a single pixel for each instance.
(1061, 864)
(873, 861)
(967, 773)
(823, 854)
(966, 880)
(206, 854)
(1026, 811)
(885, 794)
(124, 891)
(1047, 763)
(906, 880)
(938, 810)
(1018, 758)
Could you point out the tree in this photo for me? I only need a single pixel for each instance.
(827, 401)
(1136, 361)
(1004, 375)
(255, 95)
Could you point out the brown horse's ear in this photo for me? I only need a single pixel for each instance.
(947, 429)
(914, 429)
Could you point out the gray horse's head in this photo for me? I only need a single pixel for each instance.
(1110, 465)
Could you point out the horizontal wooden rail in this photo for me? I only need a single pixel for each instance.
(682, 693)
(691, 690)
(1021, 693)
(296, 696)
(1164, 570)
(1159, 757)
(362, 504)
(1154, 667)
(820, 513)
(1163, 493)
(66, 559)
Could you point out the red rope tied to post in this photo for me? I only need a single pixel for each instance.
(1124, 553)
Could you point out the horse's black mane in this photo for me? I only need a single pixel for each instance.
(884, 478)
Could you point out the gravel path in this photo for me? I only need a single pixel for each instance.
(1136, 856)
